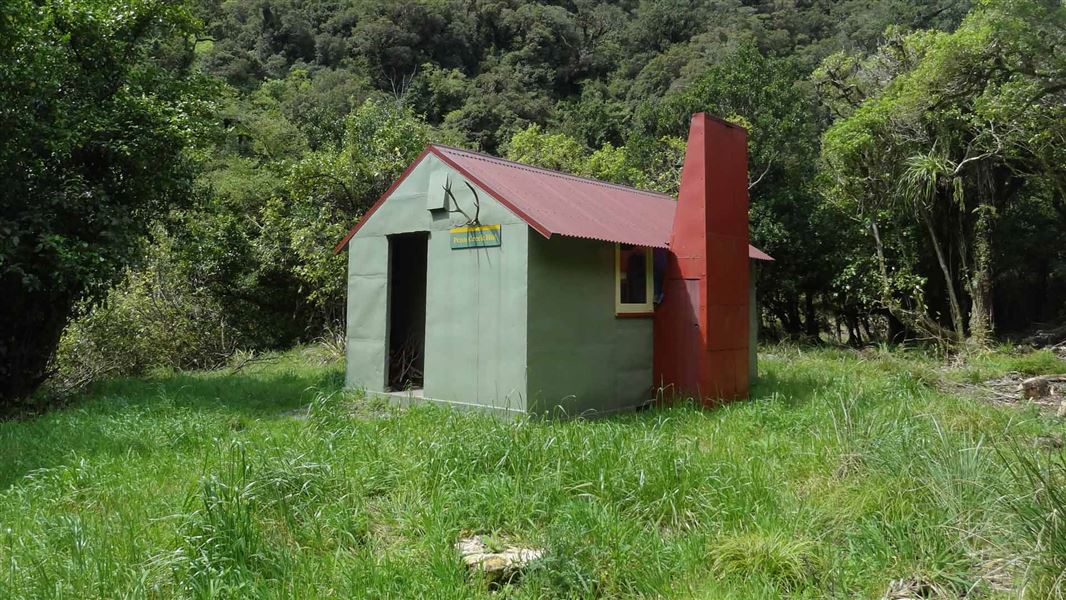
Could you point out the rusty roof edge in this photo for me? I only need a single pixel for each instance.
(663, 245)
(753, 252)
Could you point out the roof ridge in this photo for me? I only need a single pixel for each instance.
(550, 172)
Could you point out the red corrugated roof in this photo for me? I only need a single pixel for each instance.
(555, 203)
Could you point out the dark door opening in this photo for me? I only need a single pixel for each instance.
(407, 310)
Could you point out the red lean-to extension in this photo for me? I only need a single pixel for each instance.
(701, 327)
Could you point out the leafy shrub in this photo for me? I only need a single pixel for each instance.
(151, 319)
(101, 117)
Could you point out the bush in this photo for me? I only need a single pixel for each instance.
(150, 320)
(101, 111)
(787, 564)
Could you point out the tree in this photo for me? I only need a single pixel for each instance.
(929, 126)
(99, 108)
(327, 190)
(965, 126)
(646, 164)
(763, 94)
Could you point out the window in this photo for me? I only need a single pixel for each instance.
(633, 280)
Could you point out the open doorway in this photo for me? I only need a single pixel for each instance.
(407, 310)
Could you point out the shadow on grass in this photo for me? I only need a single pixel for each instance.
(256, 395)
(792, 388)
(139, 416)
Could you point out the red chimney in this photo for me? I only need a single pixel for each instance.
(701, 327)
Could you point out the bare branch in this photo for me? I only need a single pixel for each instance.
(769, 164)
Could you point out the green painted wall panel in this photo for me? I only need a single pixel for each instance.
(476, 298)
(475, 341)
(367, 301)
(581, 357)
(632, 356)
(365, 364)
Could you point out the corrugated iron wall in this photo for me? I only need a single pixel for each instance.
(701, 328)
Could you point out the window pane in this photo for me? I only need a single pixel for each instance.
(633, 279)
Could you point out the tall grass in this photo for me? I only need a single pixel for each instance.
(1040, 509)
(843, 473)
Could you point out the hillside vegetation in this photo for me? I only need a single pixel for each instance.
(846, 475)
(178, 173)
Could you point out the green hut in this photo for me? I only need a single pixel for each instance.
(481, 282)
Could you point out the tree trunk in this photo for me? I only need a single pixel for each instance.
(30, 327)
(1040, 311)
(791, 317)
(897, 331)
(953, 299)
(917, 321)
(981, 283)
(854, 337)
(810, 317)
(882, 264)
(981, 280)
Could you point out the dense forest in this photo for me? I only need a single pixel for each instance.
(176, 175)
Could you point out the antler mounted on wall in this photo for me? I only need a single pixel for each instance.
(451, 197)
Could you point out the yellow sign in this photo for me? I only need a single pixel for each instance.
(481, 236)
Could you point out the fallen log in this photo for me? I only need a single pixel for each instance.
(1040, 386)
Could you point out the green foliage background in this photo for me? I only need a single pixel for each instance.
(102, 114)
(262, 129)
(333, 99)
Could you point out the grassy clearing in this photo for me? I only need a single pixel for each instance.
(846, 471)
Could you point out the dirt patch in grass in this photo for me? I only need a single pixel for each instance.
(1007, 390)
